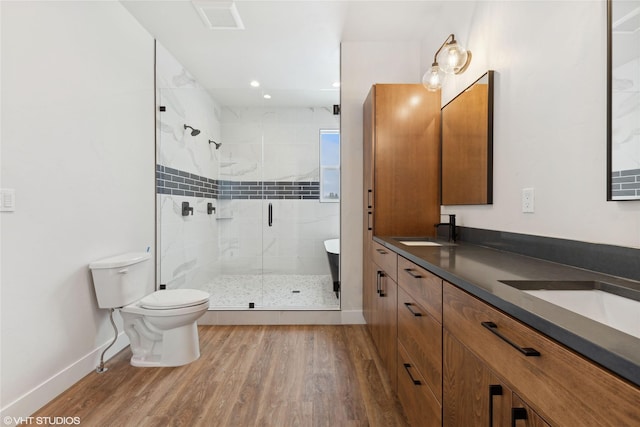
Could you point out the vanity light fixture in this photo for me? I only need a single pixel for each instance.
(456, 61)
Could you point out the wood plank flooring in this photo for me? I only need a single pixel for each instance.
(246, 376)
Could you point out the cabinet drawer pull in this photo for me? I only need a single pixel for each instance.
(527, 351)
(369, 227)
(412, 274)
(380, 275)
(517, 414)
(369, 194)
(494, 390)
(381, 252)
(415, 313)
(406, 367)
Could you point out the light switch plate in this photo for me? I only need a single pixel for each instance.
(7, 200)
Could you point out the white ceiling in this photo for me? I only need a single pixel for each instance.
(292, 47)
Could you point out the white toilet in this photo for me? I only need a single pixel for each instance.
(161, 325)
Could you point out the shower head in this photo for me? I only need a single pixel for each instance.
(194, 132)
(217, 144)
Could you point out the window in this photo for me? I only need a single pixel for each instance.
(329, 165)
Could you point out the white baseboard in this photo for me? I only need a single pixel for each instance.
(42, 394)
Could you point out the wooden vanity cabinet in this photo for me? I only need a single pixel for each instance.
(561, 386)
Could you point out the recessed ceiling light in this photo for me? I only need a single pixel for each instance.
(255, 83)
(336, 84)
(266, 96)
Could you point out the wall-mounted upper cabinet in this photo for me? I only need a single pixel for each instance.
(467, 145)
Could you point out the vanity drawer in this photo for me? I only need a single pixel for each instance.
(421, 336)
(386, 259)
(420, 405)
(423, 286)
(559, 384)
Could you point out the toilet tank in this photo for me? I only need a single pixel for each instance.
(122, 279)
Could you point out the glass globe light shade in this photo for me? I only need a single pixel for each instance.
(455, 58)
(433, 78)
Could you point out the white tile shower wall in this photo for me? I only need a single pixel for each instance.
(188, 245)
(294, 244)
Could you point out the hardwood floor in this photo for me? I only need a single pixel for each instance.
(246, 376)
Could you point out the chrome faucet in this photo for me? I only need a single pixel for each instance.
(452, 227)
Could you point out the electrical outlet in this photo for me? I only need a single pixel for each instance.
(528, 200)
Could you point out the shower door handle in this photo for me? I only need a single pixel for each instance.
(270, 214)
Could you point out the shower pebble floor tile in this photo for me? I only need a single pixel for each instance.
(273, 292)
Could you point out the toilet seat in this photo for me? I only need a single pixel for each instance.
(173, 298)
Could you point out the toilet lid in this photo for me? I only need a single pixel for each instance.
(174, 298)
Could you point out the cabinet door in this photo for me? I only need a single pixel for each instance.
(472, 395)
(368, 142)
(387, 310)
(384, 323)
(419, 403)
(368, 289)
(406, 159)
(375, 305)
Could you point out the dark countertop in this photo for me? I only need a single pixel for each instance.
(479, 270)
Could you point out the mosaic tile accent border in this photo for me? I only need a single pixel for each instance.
(180, 183)
(306, 190)
(625, 183)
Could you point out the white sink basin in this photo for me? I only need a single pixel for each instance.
(419, 243)
(615, 311)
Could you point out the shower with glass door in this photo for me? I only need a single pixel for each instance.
(246, 196)
(273, 219)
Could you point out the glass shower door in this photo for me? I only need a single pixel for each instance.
(295, 263)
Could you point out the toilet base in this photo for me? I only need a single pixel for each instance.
(152, 347)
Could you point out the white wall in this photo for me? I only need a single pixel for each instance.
(549, 118)
(78, 148)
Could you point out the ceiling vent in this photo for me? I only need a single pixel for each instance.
(219, 15)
